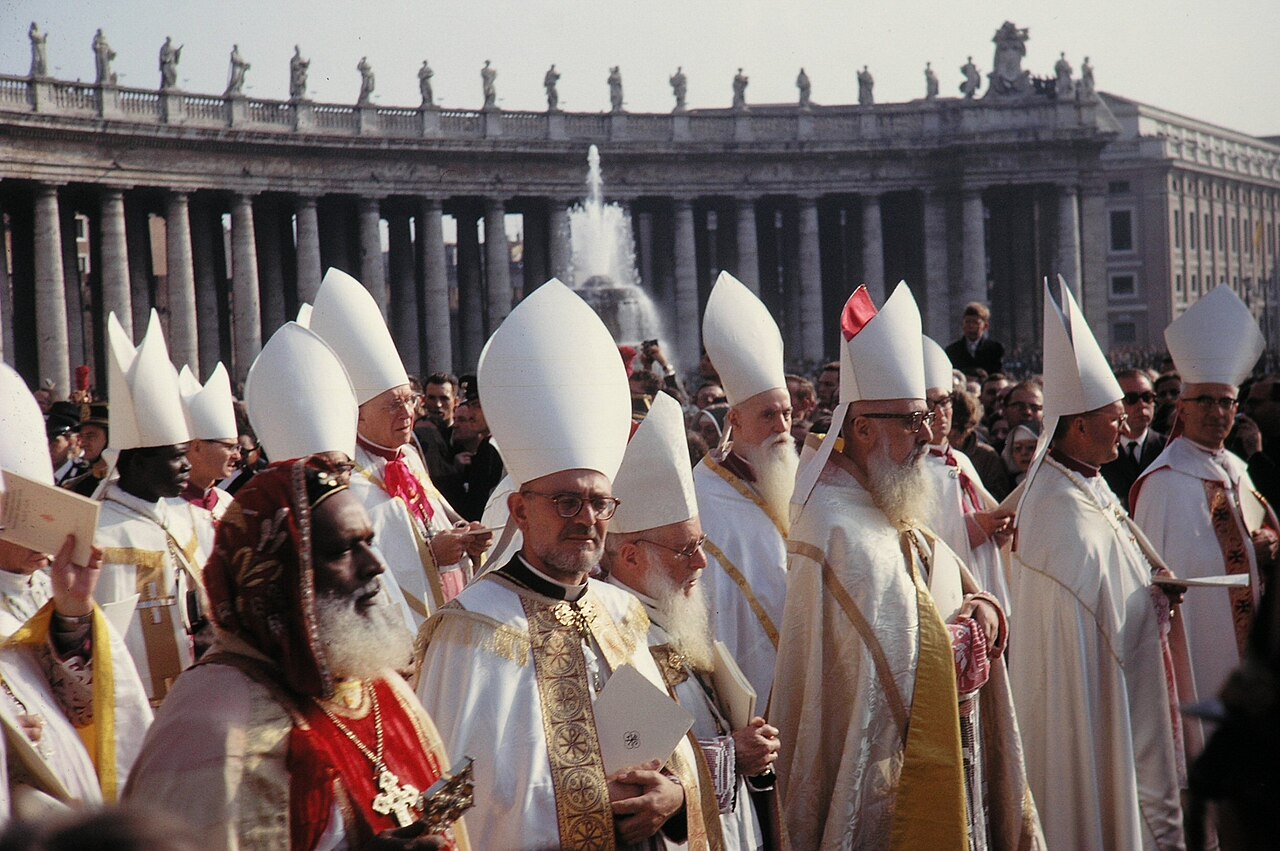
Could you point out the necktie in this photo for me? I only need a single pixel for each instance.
(1133, 452)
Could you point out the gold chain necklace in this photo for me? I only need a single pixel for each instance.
(393, 798)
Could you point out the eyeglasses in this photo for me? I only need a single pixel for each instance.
(912, 421)
(229, 445)
(570, 504)
(1118, 420)
(1227, 403)
(940, 402)
(1024, 406)
(1146, 398)
(396, 404)
(683, 554)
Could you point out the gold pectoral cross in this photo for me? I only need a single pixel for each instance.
(396, 800)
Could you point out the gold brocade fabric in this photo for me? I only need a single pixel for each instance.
(1232, 544)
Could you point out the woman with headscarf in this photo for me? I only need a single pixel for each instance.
(295, 731)
(1020, 451)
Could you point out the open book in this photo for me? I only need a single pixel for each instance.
(736, 694)
(39, 516)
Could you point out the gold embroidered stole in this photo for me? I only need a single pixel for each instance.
(757, 608)
(1234, 556)
(930, 810)
(779, 523)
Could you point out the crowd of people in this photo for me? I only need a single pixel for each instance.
(572, 601)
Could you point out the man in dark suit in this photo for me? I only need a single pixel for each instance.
(1139, 443)
(975, 351)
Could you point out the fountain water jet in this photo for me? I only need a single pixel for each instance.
(604, 263)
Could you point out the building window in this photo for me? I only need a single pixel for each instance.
(1121, 230)
(1222, 233)
(1208, 232)
(1195, 284)
(1118, 187)
(1177, 228)
(1177, 283)
(1124, 333)
(1123, 286)
(1193, 231)
(1235, 235)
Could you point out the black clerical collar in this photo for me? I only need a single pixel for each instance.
(525, 575)
(1073, 464)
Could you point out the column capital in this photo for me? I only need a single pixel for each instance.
(743, 200)
(682, 201)
(364, 201)
(307, 198)
(971, 189)
(243, 197)
(45, 188)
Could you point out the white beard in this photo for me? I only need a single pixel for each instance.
(687, 620)
(901, 491)
(775, 464)
(362, 646)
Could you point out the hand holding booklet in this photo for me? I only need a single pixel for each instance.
(733, 688)
(39, 516)
(636, 721)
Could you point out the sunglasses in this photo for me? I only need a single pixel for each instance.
(1145, 398)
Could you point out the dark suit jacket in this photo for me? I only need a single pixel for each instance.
(1122, 473)
(989, 356)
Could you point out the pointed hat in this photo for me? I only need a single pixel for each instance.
(211, 413)
(23, 448)
(1216, 341)
(347, 318)
(146, 404)
(938, 371)
(554, 390)
(655, 482)
(742, 340)
(299, 398)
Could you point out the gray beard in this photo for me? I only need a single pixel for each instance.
(687, 620)
(901, 491)
(774, 464)
(362, 646)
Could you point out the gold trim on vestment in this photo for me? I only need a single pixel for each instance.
(155, 614)
(672, 664)
(732, 571)
(779, 523)
(831, 584)
(475, 630)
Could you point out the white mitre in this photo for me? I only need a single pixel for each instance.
(881, 358)
(304, 314)
(938, 371)
(146, 404)
(299, 398)
(347, 318)
(1216, 341)
(211, 413)
(23, 447)
(742, 340)
(654, 485)
(554, 390)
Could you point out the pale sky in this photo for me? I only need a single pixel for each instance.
(1210, 59)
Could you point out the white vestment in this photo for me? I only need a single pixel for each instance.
(205, 521)
(746, 575)
(1088, 671)
(947, 517)
(399, 536)
(21, 596)
(1172, 507)
(479, 682)
(150, 558)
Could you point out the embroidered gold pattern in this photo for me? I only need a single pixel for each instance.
(1231, 542)
(671, 662)
(757, 608)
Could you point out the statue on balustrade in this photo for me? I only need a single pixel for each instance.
(487, 75)
(298, 74)
(102, 56)
(1008, 79)
(972, 79)
(866, 87)
(235, 76)
(549, 81)
(39, 62)
(1085, 92)
(740, 92)
(930, 82)
(1063, 87)
(679, 88)
(424, 85)
(802, 83)
(169, 56)
(366, 81)
(615, 89)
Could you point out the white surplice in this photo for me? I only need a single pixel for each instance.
(947, 518)
(757, 550)
(1088, 673)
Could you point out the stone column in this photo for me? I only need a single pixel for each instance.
(51, 294)
(687, 330)
(404, 312)
(940, 315)
(204, 222)
(309, 271)
(71, 286)
(138, 236)
(810, 327)
(561, 245)
(1093, 285)
(114, 254)
(973, 281)
(372, 273)
(246, 322)
(497, 263)
(435, 293)
(184, 346)
(748, 270)
(873, 249)
(470, 284)
(266, 226)
(1069, 238)
(6, 302)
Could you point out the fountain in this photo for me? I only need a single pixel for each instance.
(604, 263)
